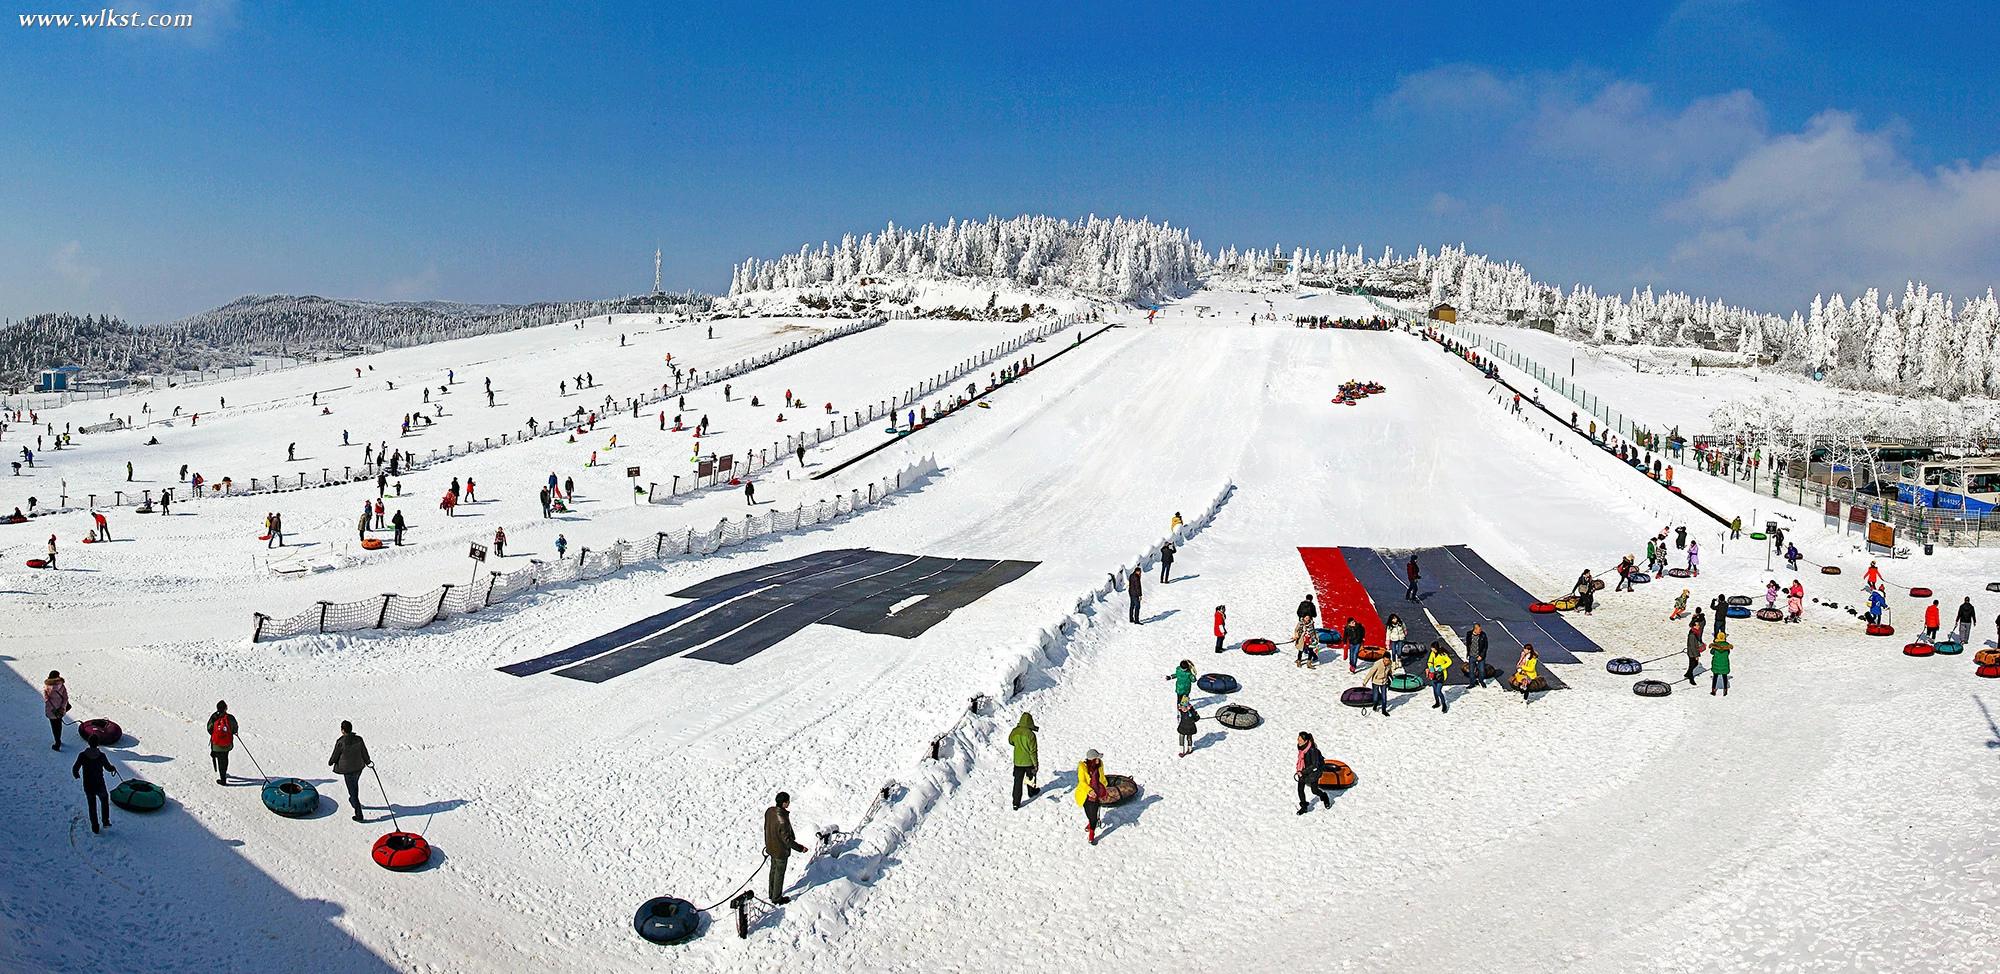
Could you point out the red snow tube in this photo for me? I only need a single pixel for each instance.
(1673, 488)
(371, 544)
(401, 851)
(1541, 608)
(1881, 629)
(1990, 671)
(1336, 775)
(1920, 593)
(1369, 654)
(100, 731)
(87, 539)
(37, 563)
(1919, 649)
(1259, 647)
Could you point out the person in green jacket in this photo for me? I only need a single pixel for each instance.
(1183, 677)
(1718, 667)
(1027, 757)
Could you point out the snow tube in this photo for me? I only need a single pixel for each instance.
(1217, 683)
(1950, 647)
(134, 795)
(1757, 536)
(1336, 775)
(37, 563)
(1739, 612)
(87, 539)
(1565, 603)
(1739, 600)
(371, 544)
(401, 851)
(664, 920)
(1597, 585)
(1624, 666)
(1358, 697)
(1369, 654)
(1259, 647)
(1673, 488)
(1993, 586)
(1990, 671)
(1238, 717)
(1328, 637)
(1919, 649)
(1406, 683)
(1652, 688)
(1122, 788)
(1920, 593)
(1881, 629)
(1829, 569)
(1639, 578)
(1541, 608)
(1679, 572)
(1987, 657)
(291, 797)
(99, 731)
(263, 537)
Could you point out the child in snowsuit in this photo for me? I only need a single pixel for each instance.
(1680, 606)
(1307, 648)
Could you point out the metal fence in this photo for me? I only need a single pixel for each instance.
(1914, 523)
(395, 611)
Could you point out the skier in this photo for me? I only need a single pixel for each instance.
(1931, 622)
(779, 844)
(1221, 627)
(1410, 569)
(1186, 726)
(1133, 584)
(1966, 617)
(1307, 771)
(55, 703)
(1027, 757)
(222, 730)
(350, 758)
(1092, 791)
(1436, 668)
(1378, 682)
(1167, 550)
(1183, 677)
(90, 766)
(1475, 649)
(1694, 643)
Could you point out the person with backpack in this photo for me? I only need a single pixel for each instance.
(779, 844)
(90, 766)
(1307, 771)
(1092, 791)
(1027, 757)
(222, 731)
(350, 758)
(1183, 677)
(1221, 627)
(55, 703)
(1436, 667)
(1188, 723)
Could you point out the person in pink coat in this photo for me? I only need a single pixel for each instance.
(55, 703)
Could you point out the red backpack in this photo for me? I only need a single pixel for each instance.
(219, 733)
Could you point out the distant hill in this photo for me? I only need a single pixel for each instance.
(299, 326)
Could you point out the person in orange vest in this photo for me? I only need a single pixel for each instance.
(1931, 622)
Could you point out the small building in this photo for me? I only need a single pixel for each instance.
(57, 379)
(1442, 312)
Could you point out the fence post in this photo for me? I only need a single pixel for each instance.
(438, 613)
(257, 631)
(382, 617)
(322, 615)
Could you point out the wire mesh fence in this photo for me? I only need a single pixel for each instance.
(395, 611)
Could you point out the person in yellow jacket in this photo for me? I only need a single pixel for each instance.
(1437, 666)
(1092, 791)
(1528, 671)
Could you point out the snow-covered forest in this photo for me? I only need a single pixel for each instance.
(298, 326)
(1128, 260)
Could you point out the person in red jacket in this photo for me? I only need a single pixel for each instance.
(1221, 627)
(1931, 622)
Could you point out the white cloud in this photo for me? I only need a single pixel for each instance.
(418, 286)
(1445, 204)
(1453, 89)
(1621, 128)
(68, 263)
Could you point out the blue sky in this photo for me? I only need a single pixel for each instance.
(509, 152)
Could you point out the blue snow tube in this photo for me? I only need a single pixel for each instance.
(1328, 637)
(1640, 578)
(1950, 647)
(1217, 683)
(291, 797)
(667, 920)
(134, 795)
(1739, 612)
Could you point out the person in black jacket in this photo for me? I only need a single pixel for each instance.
(90, 766)
(1352, 634)
(222, 731)
(1721, 609)
(1475, 654)
(350, 758)
(1133, 583)
(1167, 550)
(1307, 611)
(1309, 767)
(1966, 618)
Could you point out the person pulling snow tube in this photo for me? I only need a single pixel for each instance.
(291, 797)
(1829, 569)
(1770, 615)
(1217, 683)
(1259, 647)
(1881, 629)
(401, 851)
(1652, 688)
(666, 920)
(134, 795)
(1541, 608)
(1624, 666)
(1369, 654)
(1358, 697)
(1639, 578)
(1950, 647)
(1406, 683)
(1919, 649)
(100, 731)
(1336, 775)
(1238, 717)
(1920, 592)
(1121, 788)
(1739, 612)
(1739, 600)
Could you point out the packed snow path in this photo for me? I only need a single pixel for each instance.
(1822, 816)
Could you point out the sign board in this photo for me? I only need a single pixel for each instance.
(727, 463)
(478, 552)
(632, 472)
(1832, 508)
(1882, 534)
(1857, 517)
(706, 468)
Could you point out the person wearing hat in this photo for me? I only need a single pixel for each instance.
(55, 703)
(222, 732)
(1092, 791)
(779, 844)
(1027, 757)
(350, 758)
